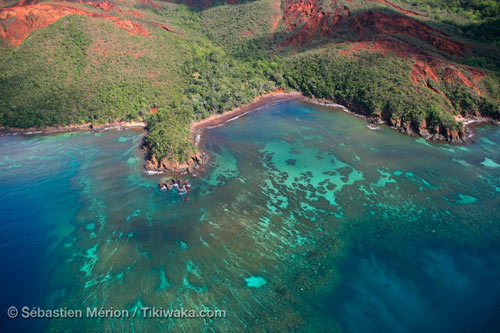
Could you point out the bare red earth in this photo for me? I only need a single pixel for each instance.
(133, 27)
(18, 22)
(308, 21)
(104, 5)
(425, 69)
(276, 7)
(436, 70)
(135, 14)
(369, 24)
(455, 75)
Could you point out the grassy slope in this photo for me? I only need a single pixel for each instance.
(371, 82)
(81, 69)
(88, 70)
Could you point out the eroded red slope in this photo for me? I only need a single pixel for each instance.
(389, 33)
(369, 24)
(307, 20)
(18, 22)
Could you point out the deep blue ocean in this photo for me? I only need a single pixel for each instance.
(306, 221)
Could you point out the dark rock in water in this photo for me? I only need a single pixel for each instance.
(183, 185)
(195, 163)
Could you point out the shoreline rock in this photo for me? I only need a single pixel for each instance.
(461, 135)
(182, 185)
(197, 163)
(192, 167)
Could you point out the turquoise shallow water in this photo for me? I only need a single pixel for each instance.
(306, 221)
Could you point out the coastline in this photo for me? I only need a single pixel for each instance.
(218, 119)
(118, 125)
(430, 134)
(198, 162)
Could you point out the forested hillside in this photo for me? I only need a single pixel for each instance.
(417, 65)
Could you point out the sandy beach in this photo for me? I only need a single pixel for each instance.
(217, 119)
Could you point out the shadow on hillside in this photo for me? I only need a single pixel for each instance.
(201, 5)
(347, 32)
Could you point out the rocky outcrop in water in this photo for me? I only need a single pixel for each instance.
(182, 185)
(191, 167)
(438, 133)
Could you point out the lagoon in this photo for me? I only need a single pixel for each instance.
(305, 221)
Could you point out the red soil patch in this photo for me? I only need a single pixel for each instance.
(276, 7)
(104, 5)
(375, 23)
(424, 69)
(476, 75)
(18, 22)
(455, 75)
(309, 20)
(133, 27)
(154, 110)
(431, 68)
(135, 14)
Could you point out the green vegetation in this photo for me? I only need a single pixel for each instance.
(220, 83)
(215, 83)
(168, 135)
(475, 10)
(480, 19)
(469, 103)
(82, 69)
(372, 83)
(64, 75)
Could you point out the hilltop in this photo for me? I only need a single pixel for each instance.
(421, 66)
